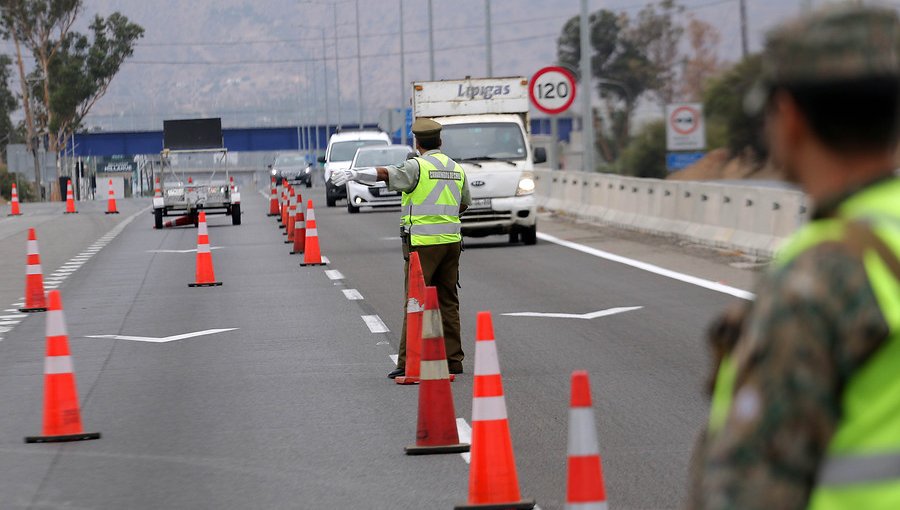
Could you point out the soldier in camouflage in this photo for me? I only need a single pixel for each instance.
(793, 422)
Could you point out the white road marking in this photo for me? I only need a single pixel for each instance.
(4, 329)
(11, 310)
(163, 339)
(182, 251)
(375, 324)
(325, 260)
(465, 436)
(334, 274)
(9, 323)
(390, 238)
(587, 316)
(352, 294)
(650, 268)
(19, 304)
(394, 358)
(16, 316)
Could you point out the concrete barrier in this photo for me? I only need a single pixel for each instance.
(750, 219)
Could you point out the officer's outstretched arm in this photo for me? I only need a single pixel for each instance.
(363, 175)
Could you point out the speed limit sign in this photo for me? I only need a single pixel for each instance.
(552, 90)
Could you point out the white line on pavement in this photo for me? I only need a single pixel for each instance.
(334, 274)
(325, 260)
(394, 357)
(10, 317)
(9, 323)
(352, 294)
(375, 324)
(586, 316)
(650, 268)
(465, 436)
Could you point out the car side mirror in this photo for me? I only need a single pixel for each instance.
(540, 155)
(321, 159)
(270, 167)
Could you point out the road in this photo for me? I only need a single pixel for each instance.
(291, 408)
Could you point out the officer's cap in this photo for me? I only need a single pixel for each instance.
(426, 128)
(839, 43)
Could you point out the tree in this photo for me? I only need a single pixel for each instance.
(724, 108)
(645, 156)
(702, 62)
(659, 34)
(8, 105)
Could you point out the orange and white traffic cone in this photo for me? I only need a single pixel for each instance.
(231, 187)
(62, 413)
(35, 300)
(436, 430)
(285, 207)
(157, 191)
(415, 306)
(273, 199)
(111, 201)
(205, 276)
(179, 221)
(14, 202)
(584, 486)
(70, 198)
(291, 211)
(299, 231)
(312, 256)
(190, 180)
(493, 482)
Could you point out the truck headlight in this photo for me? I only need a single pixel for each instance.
(526, 186)
(274, 172)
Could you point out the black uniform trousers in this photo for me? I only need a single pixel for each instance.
(440, 267)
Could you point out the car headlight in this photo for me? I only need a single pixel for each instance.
(307, 169)
(526, 186)
(274, 172)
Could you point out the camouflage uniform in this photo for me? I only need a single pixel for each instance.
(815, 322)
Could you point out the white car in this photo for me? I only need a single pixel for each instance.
(378, 195)
(342, 147)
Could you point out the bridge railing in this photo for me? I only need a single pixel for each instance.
(751, 219)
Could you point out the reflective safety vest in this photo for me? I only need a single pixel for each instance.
(432, 208)
(861, 469)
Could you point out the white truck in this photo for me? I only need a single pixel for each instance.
(486, 130)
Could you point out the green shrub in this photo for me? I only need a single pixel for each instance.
(645, 156)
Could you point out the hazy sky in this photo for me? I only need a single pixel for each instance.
(259, 62)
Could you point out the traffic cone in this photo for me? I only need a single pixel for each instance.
(14, 202)
(190, 180)
(231, 184)
(584, 486)
(179, 221)
(291, 211)
(493, 482)
(436, 429)
(273, 200)
(111, 202)
(205, 276)
(62, 414)
(157, 192)
(35, 301)
(415, 306)
(299, 231)
(311, 254)
(286, 205)
(70, 199)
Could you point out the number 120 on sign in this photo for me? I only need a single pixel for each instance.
(552, 90)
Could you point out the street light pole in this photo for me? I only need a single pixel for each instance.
(587, 114)
(403, 135)
(337, 70)
(359, 94)
(488, 39)
(430, 42)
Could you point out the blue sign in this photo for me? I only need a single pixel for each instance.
(682, 160)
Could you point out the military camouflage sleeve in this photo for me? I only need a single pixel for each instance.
(814, 323)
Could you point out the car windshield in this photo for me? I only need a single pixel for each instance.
(344, 151)
(483, 141)
(381, 157)
(292, 160)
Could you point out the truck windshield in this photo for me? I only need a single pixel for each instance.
(344, 151)
(483, 141)
(380, 157)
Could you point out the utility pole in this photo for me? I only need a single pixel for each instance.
(359, 94)
(325, 78)
(430, 42)
(743, 7)
(403, 134)
(587, 113)
(314, 104)
(337, 71)
(488, 39)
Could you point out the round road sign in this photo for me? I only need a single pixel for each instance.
(552, 90)
(685, 120)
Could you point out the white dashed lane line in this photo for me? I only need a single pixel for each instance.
(352, 294)
(375, 324)
(334, 274)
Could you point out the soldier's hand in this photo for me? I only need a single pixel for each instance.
(341, 177)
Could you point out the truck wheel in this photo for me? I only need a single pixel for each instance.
(236, 214)
(196, 217)
(309, 183)
(157, 219)
(529, 236)
(513, 236)
(351, 208)
(329, 201)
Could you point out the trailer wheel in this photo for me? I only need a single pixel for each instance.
(158, 219)
(529, 235)
(236, 214)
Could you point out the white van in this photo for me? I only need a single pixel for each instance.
(342, 146)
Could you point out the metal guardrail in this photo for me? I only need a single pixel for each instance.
(752, 219)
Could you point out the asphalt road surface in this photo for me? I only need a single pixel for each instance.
(287, 405)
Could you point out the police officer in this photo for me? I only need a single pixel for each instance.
(806, 400)
(435, 194)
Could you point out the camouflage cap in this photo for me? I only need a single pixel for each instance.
(426, 128)
(839, 43)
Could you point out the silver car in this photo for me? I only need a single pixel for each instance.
(378, 195)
